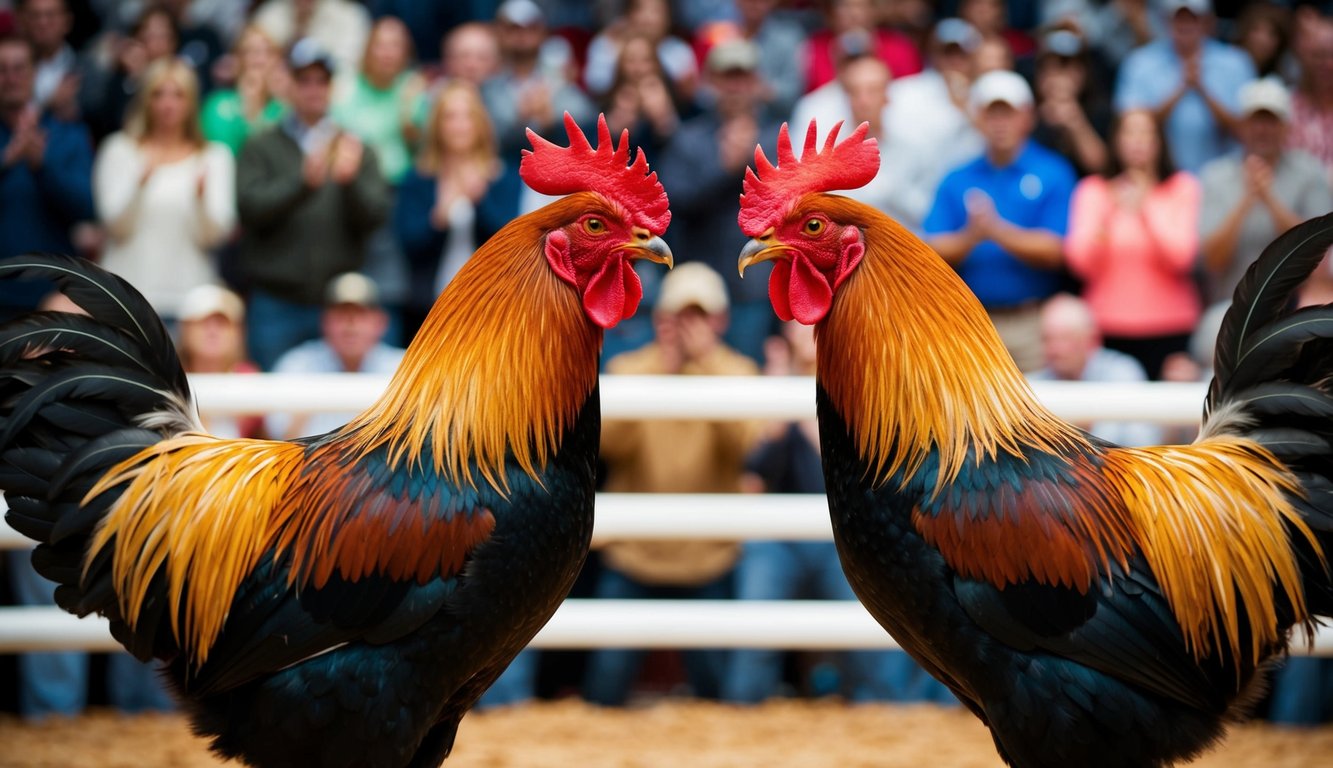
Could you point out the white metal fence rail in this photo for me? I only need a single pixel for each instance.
(656, 623)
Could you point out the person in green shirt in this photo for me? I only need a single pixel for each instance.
(230, 115)
(384, 103)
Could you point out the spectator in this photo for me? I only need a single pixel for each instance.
(1133, 237)
(1072, 347)
(992, 54)
(384, 105)
(1073, 116)
(56, 683)
(470, 52)
(991, 19)
(788, 462)
(1114, 29)
(650, 19)
(45, 175)
(1311, 124)
(1190, 81)
(212, 340)
(1252, 196)
(913, 18)
(1000, 219)
(352, 327)
(428, 23)
(675, 456)
(200, 43)
(532, 88)
(903, 186)
(775, 37)
(701, 169)
(166, 196)
(47, 24)
(340, 26)
(308, 195)
(1262, 31)
(641, 98)
(853, 23)
(108, 89)
(230, 115)
(930, 111)
(458, 195)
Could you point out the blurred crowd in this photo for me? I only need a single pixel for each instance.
(291, 183)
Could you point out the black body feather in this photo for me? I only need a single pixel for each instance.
(372, 671)
(1097, 676)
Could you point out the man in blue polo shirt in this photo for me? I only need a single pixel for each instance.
(1192, 83)
(1000, 219)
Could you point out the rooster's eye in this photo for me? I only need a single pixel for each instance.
(594, 226)
(814, 226)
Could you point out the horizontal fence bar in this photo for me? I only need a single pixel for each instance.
(694, 397)
(794, 624)
(673, 517)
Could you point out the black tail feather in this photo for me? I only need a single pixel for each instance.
(1273, 377)
(1273, 351)
(109, 299)
(1264, 293)
(78, 395)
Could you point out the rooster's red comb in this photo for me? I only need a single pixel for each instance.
(606, 170)
(769, 194)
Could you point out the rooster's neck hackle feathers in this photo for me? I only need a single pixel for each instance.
(502, 365)
(911, 360)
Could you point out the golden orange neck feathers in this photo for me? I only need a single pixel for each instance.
(503, 363)
(912, 362)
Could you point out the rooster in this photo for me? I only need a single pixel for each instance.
(1092, 605)
(338, 600)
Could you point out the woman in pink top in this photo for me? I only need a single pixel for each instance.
(1133, 239)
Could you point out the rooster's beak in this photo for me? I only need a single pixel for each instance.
(648, 246)
(762, 248)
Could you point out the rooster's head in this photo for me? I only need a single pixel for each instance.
(814, 247)
(616, 212)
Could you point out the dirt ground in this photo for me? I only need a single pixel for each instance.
(570, 734)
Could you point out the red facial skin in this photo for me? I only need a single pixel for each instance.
(592, 254)
(819, 255)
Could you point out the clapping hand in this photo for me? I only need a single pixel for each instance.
(346, 152)
(982, 219)
(28, 143)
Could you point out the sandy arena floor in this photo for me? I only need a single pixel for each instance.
(570, 734)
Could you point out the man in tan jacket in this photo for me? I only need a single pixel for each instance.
(673, 456)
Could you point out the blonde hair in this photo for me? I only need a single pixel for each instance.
(253, 30)
(138, 121)
(483, 149)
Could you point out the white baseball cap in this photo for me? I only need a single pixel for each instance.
(1266, 95)
(1000, 85)
(207, 300)
(692, 284)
